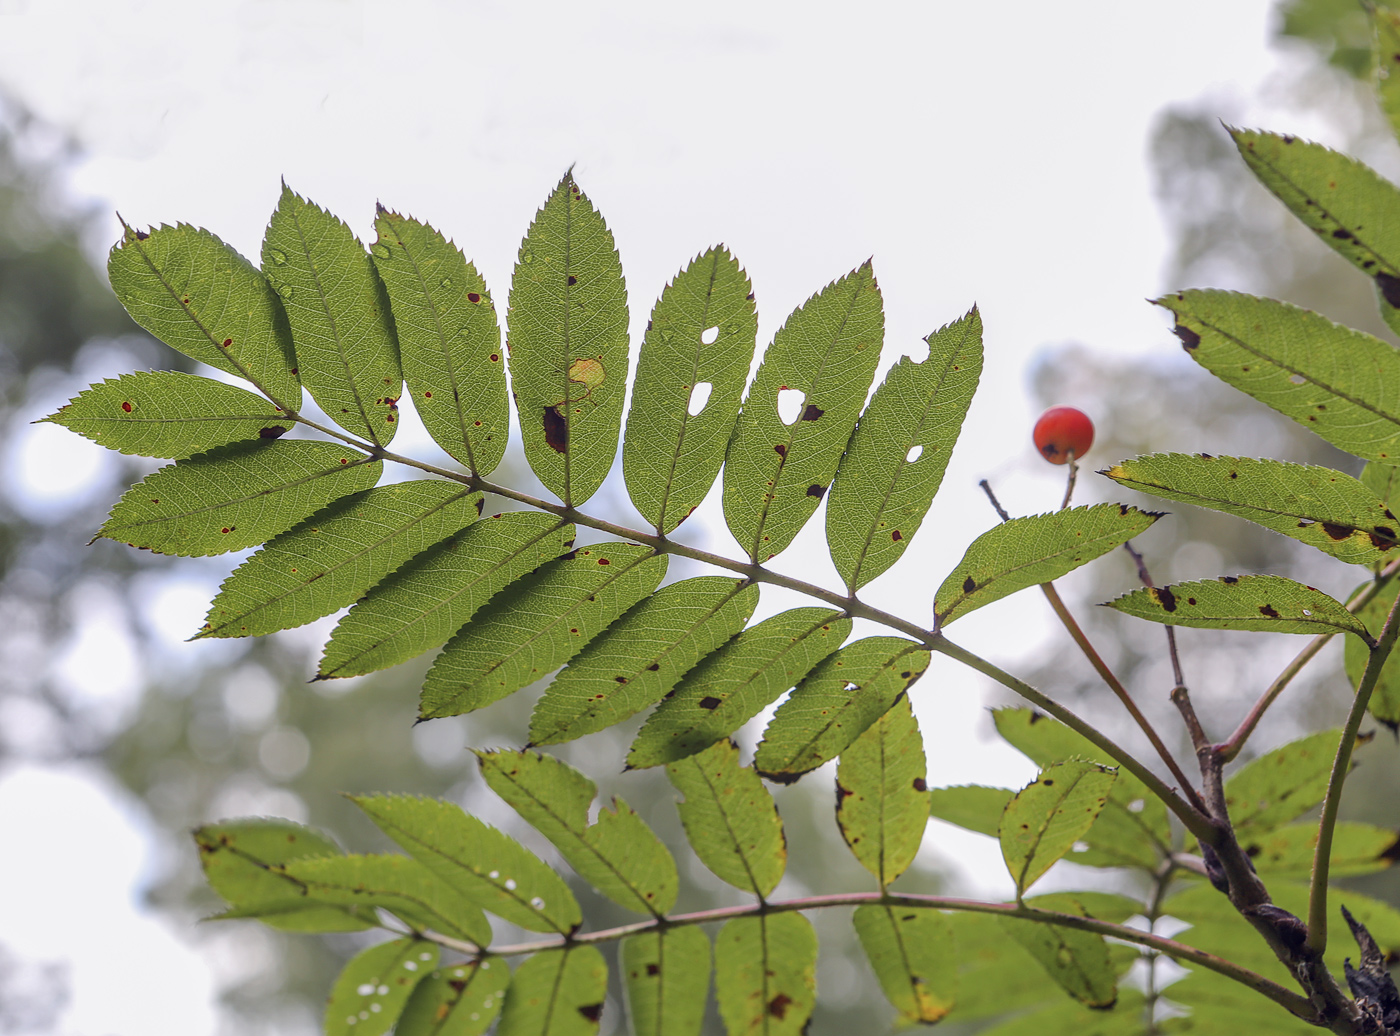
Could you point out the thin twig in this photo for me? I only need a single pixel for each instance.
(1145, 577)
(1001, 511)
(1073, 474)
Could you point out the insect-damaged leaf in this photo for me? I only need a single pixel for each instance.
(882, 802)
(1078, 961)
(536, 625)
(198, 295)
(335, 556)
(913, 954)
(1271, 604)
(489, 868)
(1385, 696)
(460, 1000)
(1348, 205)
(730, 819)
(168, 414)
(556, 993)
(346, 350)
(700, 338)
(422, 604)
(766, 974)
(1330, 379)
(667, 973)
(375, 985)
(1318, 506)
(1283, 784)
(236, 496)
(619, 855)
(568, 344)
(1049, 815)
(449, 339)
(835, 703)
(737, 682)
(899, 451)
(637, 660)
(1027, 551)
(776, 473)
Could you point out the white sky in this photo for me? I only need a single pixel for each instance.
(988, 153)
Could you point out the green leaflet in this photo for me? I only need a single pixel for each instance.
(1271, 604)
(1078, 961)
(766, 974)
(239, 857)
(390, 882)
(975, 807)
(882, 802)
(168, 414)
(837, 702)
(667, 973)
(1070, 1018)
(344, 334)
(568, 344)
(556, 993)
(236, 496)
(776, 474)
(1282, 785)
(421, 605)
(1385, 696)
(1049, 815)
(730, 819)
(636, 661)
(335, 556)
(702, 332)
(461, 1000)
(985, 959)
(735, 683)
(912, 952)
(1318, 506)
(449, 339)
(619, 855)
(1330, 379)
(374, 987)
(1027, 551)
(489, 868)
(899, 451)
(200, 297)
(536, 625)
(1348, 205)
(1385, 45)
(1383, 480)
(1356, 849)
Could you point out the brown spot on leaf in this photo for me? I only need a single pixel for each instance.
(592, 1012)
(1268, 610)
(1342, 234)
(1231, 580)
(126, 407)
(896, 535)
(778, 1006)
(812, 413)
(604, 561)
(572, 280)
(1335, 531)
(709, 702)
(1382, 538)
(969, 585)
(473, 297)
(1166, 599)
(653, 969)
(556, 430)
(653, 667)
(1189, 338)
(275, 431)
(141, 235)
(816, 491)
(920, 784)
(781, 450)
(1191, 601)
(1389, 284)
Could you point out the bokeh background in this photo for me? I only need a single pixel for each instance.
(1056, 164)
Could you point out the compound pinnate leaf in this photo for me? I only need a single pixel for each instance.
(461, 1000)
(1271, 604)
(1289, 851)
(1077, 960)
(702, 333)
(1049, 815)
(1385, 696)
(1027, 551)
(371, 992)
(1351, 207)
(1315, 505)
(449, 339)
(899, 451)
(200, 296)
(912, 952)
(737, 682)
(390, 882)
(489, 868)
(837, 702)
(1330, 379)
(536, 625)
(974, 807)
(556, 993)
(882, 801)
(1281, 785)
(636, 661)
(236, 496)
(335, 556)
(418, 607)
(568, 344)
(776, 472)
(619, 855)
(344, 335)
(730, 819)
(766, 974)
(667, 973)
(168, 414)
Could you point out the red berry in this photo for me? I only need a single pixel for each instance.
(1062, 430)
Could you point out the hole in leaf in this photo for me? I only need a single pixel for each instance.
(918, 353)
(1297, 379)
(699, 396)
(790, 405)
(915, 452)
(708, 336)
(1080, 847)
